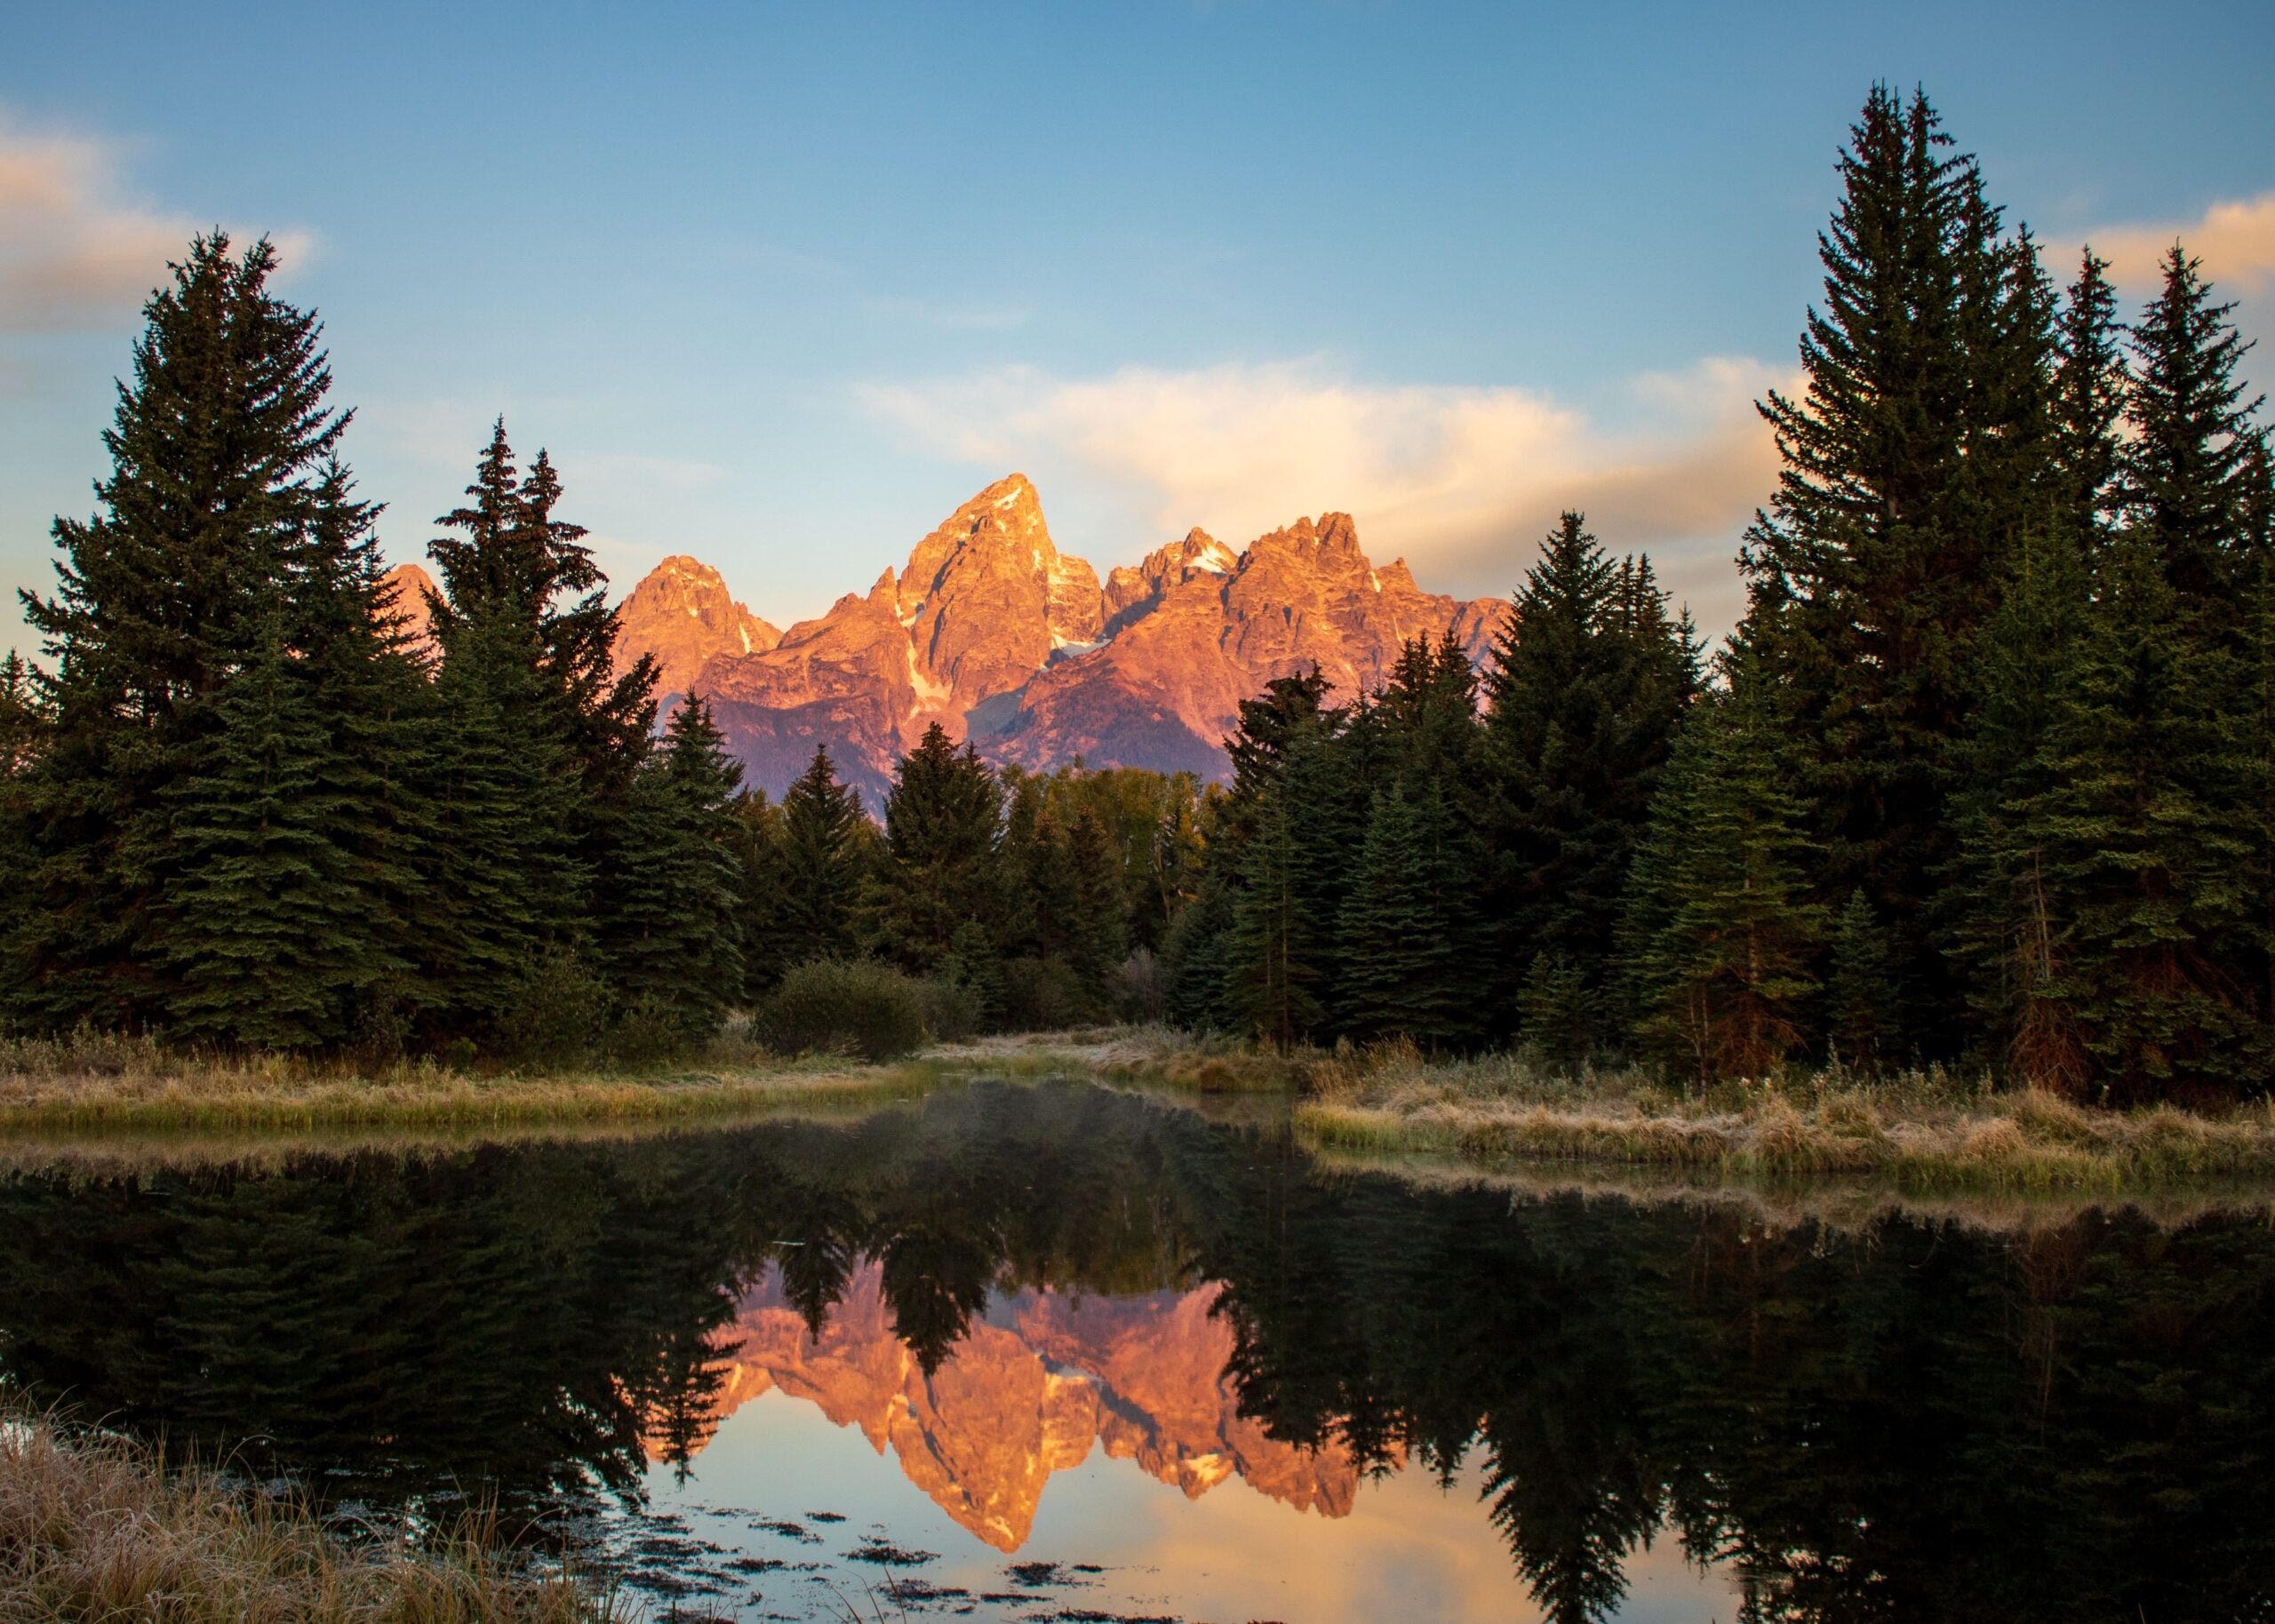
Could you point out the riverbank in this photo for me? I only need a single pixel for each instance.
(97, 1526)
(1929, 1130)
(1921, 1130)
(106, 1084)
(1918, 1131)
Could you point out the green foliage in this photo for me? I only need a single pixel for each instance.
(1588, 679)
(1401, 937)
(218, 452)
(808, 911)
(1722, 928)
(943, 820)
(1560, 1013)
(675, 898)
(269, 940)
(1921, 451)
(1862, 1019)
(844, 1005)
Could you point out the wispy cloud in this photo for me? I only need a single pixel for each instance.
(2235, 240)
(1461, 481)
(75, 254)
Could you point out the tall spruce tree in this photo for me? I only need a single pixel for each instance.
(818, 877)
(943, 821)
(2091, 383)
(2189, 463)
(2141, 850)
(1404, 951)
(677, 955)
(217, 448)
(1214, 954)
(1911, 466)
(270, 939)
(1588, 681)
(1721, 933)
(542, 739)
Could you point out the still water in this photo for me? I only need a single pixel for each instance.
(1062, 1353)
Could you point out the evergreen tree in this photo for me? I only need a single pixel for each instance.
(1721, 931)
(2090, 386)
(2188, 466)
(1272, 986)
(520, 582)
(677, 952)
(1213, 977)
(216, 451)
(1096, 933)
(2003, 923)
(1559, 1013)
(20, 717)
(943, 820)
(1588, 679)
(511, 890)
(1860, 993)
(1919, 455)
(2142, 849)
(819, 877)
(1401, 947)
(270, 940)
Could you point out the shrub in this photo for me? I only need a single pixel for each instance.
(1140, 988)
(557, 1012)
(1042, 995)
(952, 1009)
(843, 1007)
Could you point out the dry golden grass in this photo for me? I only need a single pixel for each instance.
(96, 1527)
(1926, 1130)
(1200, 1062)
(117, 1084)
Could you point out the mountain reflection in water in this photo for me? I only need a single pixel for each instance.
(1903, 1419)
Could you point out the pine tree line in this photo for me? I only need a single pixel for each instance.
(1986, 776)
(241, 808)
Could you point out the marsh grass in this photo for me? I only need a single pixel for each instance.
(96, 1526)
(109, 1082)
(1928, 1129)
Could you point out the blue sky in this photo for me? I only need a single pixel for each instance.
(779, 287)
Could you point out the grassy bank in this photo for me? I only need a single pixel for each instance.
(94, 1526)
(104, 1083)
(1927, 1130)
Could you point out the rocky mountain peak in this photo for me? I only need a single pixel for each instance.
(411, 584)
(681, 613)
(994, 633)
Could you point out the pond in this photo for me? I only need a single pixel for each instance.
(1057, 1352)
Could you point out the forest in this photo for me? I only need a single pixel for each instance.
(1985, 777)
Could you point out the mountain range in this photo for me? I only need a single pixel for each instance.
(1004, 640)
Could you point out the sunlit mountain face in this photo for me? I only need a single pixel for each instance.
(1057, 1351)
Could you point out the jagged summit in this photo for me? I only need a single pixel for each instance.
(994, 633)
(682, 614)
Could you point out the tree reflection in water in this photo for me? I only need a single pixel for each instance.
(1906, 1420)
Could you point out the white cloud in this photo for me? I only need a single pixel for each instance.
(1461, 481)
(75, 254)
(2235, 240)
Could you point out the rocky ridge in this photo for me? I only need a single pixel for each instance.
(994, 633)
(682, 614)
